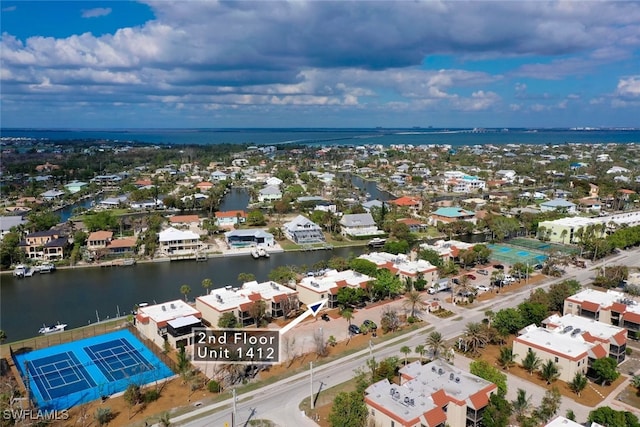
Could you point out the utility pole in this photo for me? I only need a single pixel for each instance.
(233, 413)
(311, 385)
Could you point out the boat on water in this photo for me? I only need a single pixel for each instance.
(28, 271)
(377, 242)
(52, 329)
(20, 270)
(46, 268)
(259, 252)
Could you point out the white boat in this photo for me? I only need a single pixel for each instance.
(28, 271)
(46, 268)
(19, 271)
(52, 329)
(259, 252)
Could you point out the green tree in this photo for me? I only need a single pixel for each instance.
(405, 349)
(533, 313)
(387, 284)
(257, 311)
(436, 345)
(102, 220)
(413, 300)
(531, 362)
(132, 396)
(228, 320)
(363, 266)
(282, 274)
(347, 314)
(42, 220)
(475, 336)
(255, 218)
(185, 290)
(348, 410)
(206, 284)
(521, 405)
(484, 370)
(549, 405)
(506, 359)
(183, 361)
(10, 252)
(430, 255)
(606, 370)
(420, 351)
(635, 381)
(214, 386)
(508, 321)
(578, 383)
(3, 336)
(246, 277)
(340, 264)
(389, 321)
(348, 296)
(497, 412)
(609, 417)
(549, 371)
(103, 416)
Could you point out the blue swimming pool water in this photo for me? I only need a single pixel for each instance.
(81, 371)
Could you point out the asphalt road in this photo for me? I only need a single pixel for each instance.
(279, 402)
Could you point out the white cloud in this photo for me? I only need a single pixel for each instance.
(629, 86)
(96, 12)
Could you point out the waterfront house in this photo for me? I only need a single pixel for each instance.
(51, 195)
(558, 205)
(107, 179)
(451, 214)
(99, 240)
(414, 204)
(415, 225)
(147, 204)
(171, 322)
(280, 301)
(368, 205)
(218, 176)
(122, 247)
(273, 181)
(229, 219)
(44, 245)
(431, 395)
(113, 202)
(359, 225)
(269, 193)
(75, 186)
(179, 242)
(248, 238)
(204, 186)
(314, 288)
(302, 230)
(9, 222)
(185, 220)
(401, 266)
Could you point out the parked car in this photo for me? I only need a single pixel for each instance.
(471, 276)
(325, 317)
(483, 272)
(370, 324)
(354, 330)
(483, 288)
(499, 267)
(455, 281)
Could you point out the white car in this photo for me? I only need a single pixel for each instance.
(483, 288)
(509, 279)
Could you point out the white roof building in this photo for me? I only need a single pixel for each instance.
(312, 289)
(171, 320)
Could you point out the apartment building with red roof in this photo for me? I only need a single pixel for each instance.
(431, 395)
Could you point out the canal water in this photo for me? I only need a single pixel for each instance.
(73, 296)
(237, 199)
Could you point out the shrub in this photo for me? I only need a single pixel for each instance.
(214, 386)
(151, 396)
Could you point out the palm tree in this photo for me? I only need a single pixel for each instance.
(184, 290)
(531, 362)
(347, 314)
(549, 371)
(405, 349)
(165, 419)
(490, 315)
(475, 336)
(635, 381)
(436, 345)
(420, 350)
(506, 358)
(414, 300)
(578, 383)
(522, 404)
(206, 284)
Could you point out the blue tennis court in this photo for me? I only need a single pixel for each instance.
(511, 255)
(69, 374)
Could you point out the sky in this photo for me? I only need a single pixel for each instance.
(230, 64)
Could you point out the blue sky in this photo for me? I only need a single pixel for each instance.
(118, 64)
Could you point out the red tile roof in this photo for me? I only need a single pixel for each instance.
(630, 316)
(598, 351)
(479, 400)
(128, 242)
(100, 235)
(590, 306)
(231, 214)
(435, 417)
(184, 218)
(406, 201)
